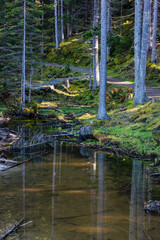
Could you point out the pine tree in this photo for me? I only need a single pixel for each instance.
(102, 112)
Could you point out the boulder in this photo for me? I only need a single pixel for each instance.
(85, 133)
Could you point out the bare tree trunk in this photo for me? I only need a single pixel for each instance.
(30, 83)
(42, 41)
(154, 31)
(68, 25)
(102, 111)
(23, 77)
(108, 24)
(143, 60)
(140, 48)
(56, 23)
(95, 47)
(62, 26)
(149, 46)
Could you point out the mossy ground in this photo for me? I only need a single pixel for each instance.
(76, 51)
(130, 126)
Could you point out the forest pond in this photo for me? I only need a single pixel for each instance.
(72, 193)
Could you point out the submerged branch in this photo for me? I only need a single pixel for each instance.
(17, 225)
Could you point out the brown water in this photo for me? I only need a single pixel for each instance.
(75, 194)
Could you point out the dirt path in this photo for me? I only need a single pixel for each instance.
(152, 92)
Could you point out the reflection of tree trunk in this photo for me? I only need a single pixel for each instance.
(132, 225)
(93, 167)
(53, 186)
(93, 193)
(137, 201)
(140, 201)
(23, 174)
(60, 162)
(100, 195)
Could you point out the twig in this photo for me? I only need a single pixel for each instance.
(12, 229)
(25, 224)
(20, 163)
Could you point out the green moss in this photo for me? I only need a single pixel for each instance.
(75, 51)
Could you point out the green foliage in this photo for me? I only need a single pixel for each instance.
(16, 111)
(11, 38)
(54, 72)
(74, 51)
(120, 44)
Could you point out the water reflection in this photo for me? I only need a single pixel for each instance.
(75, 195)
(53, 185)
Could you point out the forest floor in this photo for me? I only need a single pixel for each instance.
(152, 92)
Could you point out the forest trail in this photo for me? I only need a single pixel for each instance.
(152, 92)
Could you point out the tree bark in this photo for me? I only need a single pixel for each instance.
(140, 49)
(42, 41)
(95, 46)
(23, 77)
(154, 31)
(102, 111)
(108, 24)
(62, 26)
(143, 60)
(56, 24)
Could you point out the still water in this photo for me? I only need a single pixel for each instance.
(76, 194)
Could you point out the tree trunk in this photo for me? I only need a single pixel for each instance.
(140, 49)
(68, 24)
(42, 41)
(95, 47)
(30, 83)
(62, 26)
(56, 23)
(23, 77)
(143, 59)
(108, 24)
(149, 46)
(154, 31)
(102, 111)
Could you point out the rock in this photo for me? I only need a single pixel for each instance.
(85, 133)
(88, 130)
(152, 206)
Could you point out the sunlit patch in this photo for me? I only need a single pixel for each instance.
(70, 164)
(33, 189)
(47, 104)
(66, 94)
(75, 191)
(86, 116)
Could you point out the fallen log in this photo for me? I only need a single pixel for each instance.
(15, 165)
(17, 225)
(64, 134)
(29, 146)
(4, 160)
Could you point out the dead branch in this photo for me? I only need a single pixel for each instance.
(64, 134)
(3, 160)
(17, 225)
(15, 165)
